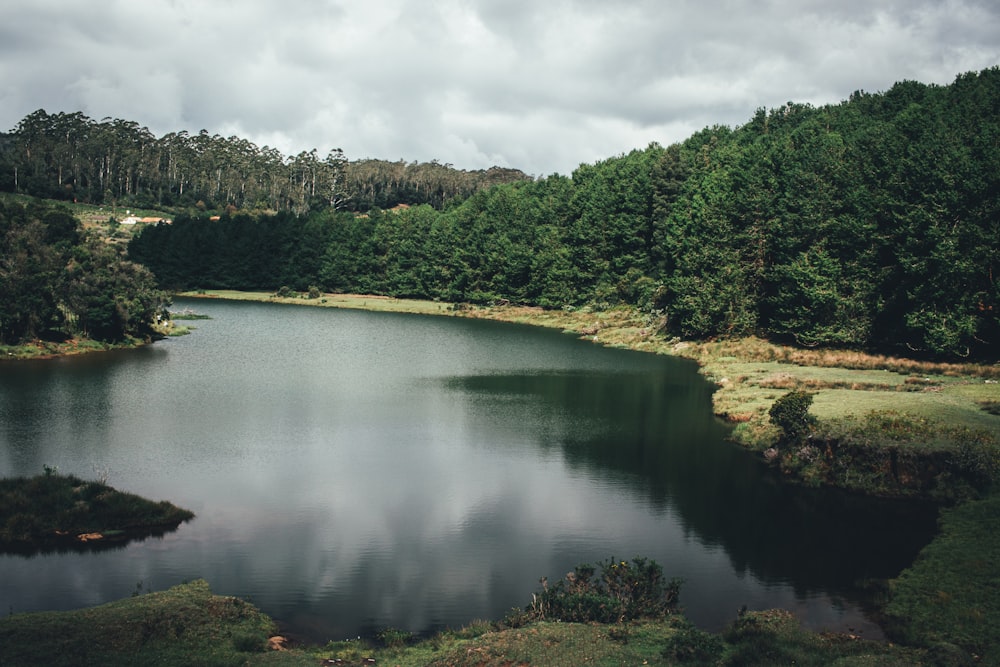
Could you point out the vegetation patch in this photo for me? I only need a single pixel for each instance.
(190, 626)
(948, 598)
(614, 592)
(52, 511)
(185, 625)
(892, 453)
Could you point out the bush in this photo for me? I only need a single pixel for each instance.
(623, 591)
(790, 413)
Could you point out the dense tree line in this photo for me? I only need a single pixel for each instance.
(56, 282)
(872, 223)
(72, 157)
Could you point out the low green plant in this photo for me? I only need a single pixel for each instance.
(621, 591)
(517, 617)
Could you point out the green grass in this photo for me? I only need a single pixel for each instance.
(185, 625)
(188, 625)
(949, 595)
(52, 510)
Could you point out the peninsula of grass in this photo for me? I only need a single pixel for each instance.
(52, 511)
(43, 349)
(185, 625)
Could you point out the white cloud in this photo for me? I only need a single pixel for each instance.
(539, 86)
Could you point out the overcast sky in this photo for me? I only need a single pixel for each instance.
(540, 85)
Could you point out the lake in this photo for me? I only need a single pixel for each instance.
(352, 471)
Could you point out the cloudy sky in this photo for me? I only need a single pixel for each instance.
(540, 85)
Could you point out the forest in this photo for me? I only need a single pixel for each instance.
(56, 282)
(68, 156)
(868, 224)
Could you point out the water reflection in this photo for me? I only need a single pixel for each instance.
(72, 545)
(649, 431)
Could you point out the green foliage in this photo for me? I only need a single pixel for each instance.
(66, 156)
(621, 591)
(55, 283)
(790, 413)
(867, 224)
(43, 511)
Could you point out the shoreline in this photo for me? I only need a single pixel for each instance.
(944, 403)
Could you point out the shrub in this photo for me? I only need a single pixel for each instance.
(790, 413)
(623, 591)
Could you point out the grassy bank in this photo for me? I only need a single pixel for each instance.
(185, 625)
(188, 625)
(939, 419)
(52, 511)
(948, 597)
(40, 349)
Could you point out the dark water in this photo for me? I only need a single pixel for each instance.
(352, 471)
